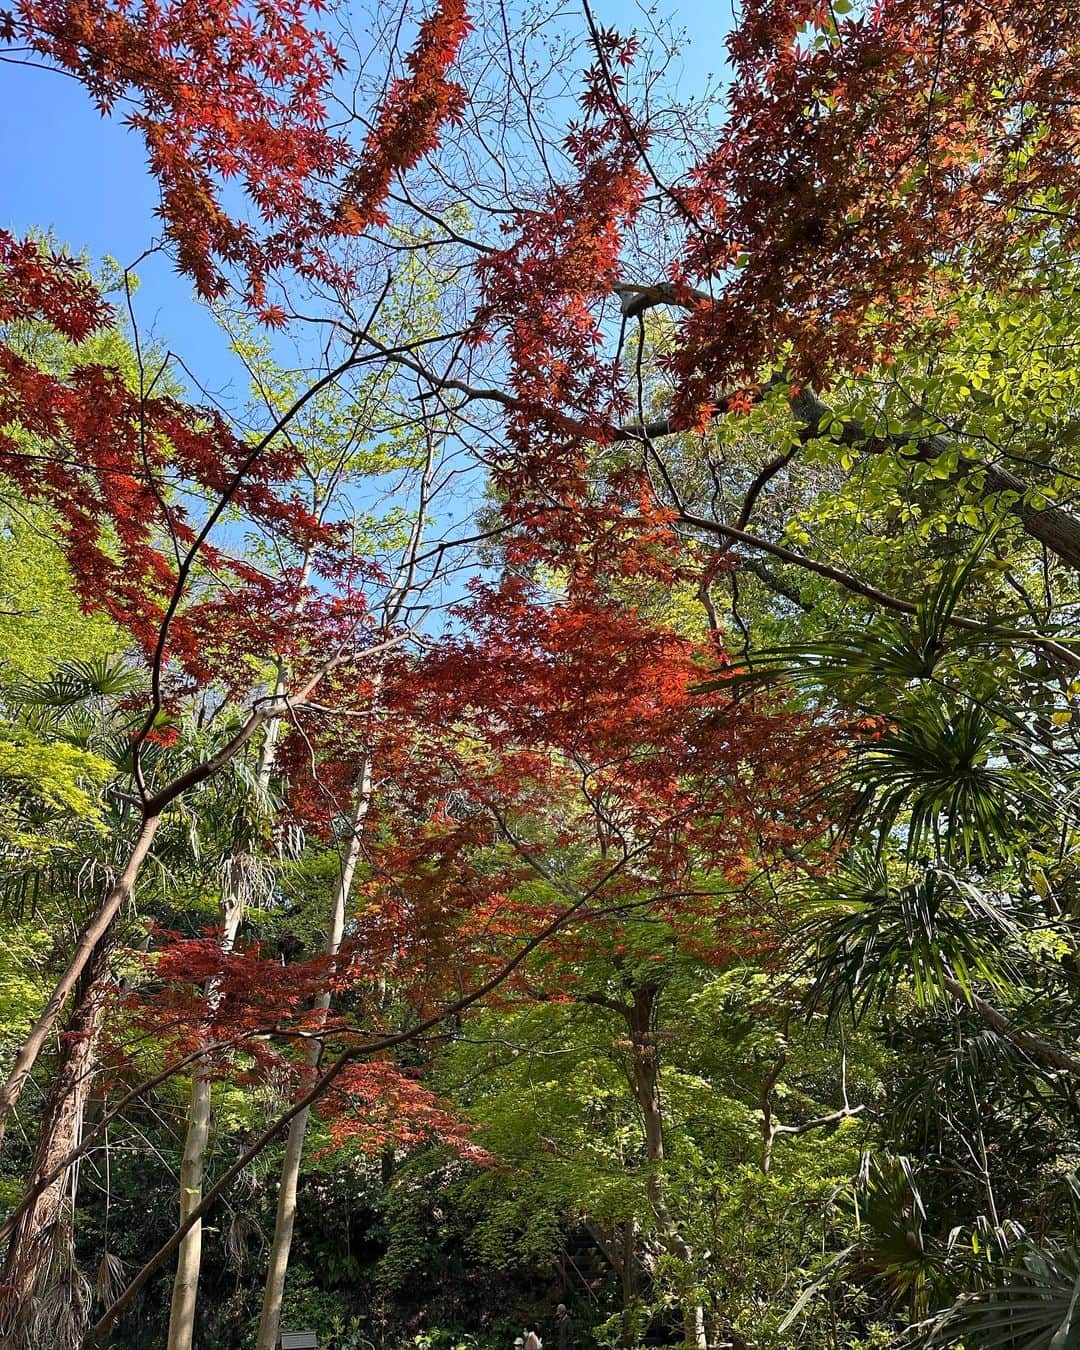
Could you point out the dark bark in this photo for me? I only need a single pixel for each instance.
(645, 1069)
(45, 1227)
(91, 943)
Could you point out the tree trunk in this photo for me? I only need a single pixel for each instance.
(189, 1257)
(646, 1068)
(90, 939)
(294, 1145)
(45, 1229)
(197, 1137)
(694, 1326)
(769, 1123)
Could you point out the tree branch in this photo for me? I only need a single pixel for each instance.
(1041, 1050)
(820, 1122)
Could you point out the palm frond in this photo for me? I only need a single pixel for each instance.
(891, 1250)
(945, 774)
(1035, 1306)
(101, 677)
(867, 934)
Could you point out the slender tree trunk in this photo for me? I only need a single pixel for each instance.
(294, 1144)
(197, 1137)
(769, 1123)
(646, 1070)
(93, 934)
(694, 1326)
(46, 1225)
(189, 1257)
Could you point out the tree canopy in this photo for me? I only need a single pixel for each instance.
(557, 789)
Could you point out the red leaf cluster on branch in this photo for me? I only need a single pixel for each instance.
(38, 282)
(375, 1105)
(408, 123)
(224, 90)
(125, 473)
(870, 163)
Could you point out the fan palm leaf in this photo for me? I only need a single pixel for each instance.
(1036, 1306)
(867, 934)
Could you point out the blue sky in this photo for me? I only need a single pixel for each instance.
(63, 166)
